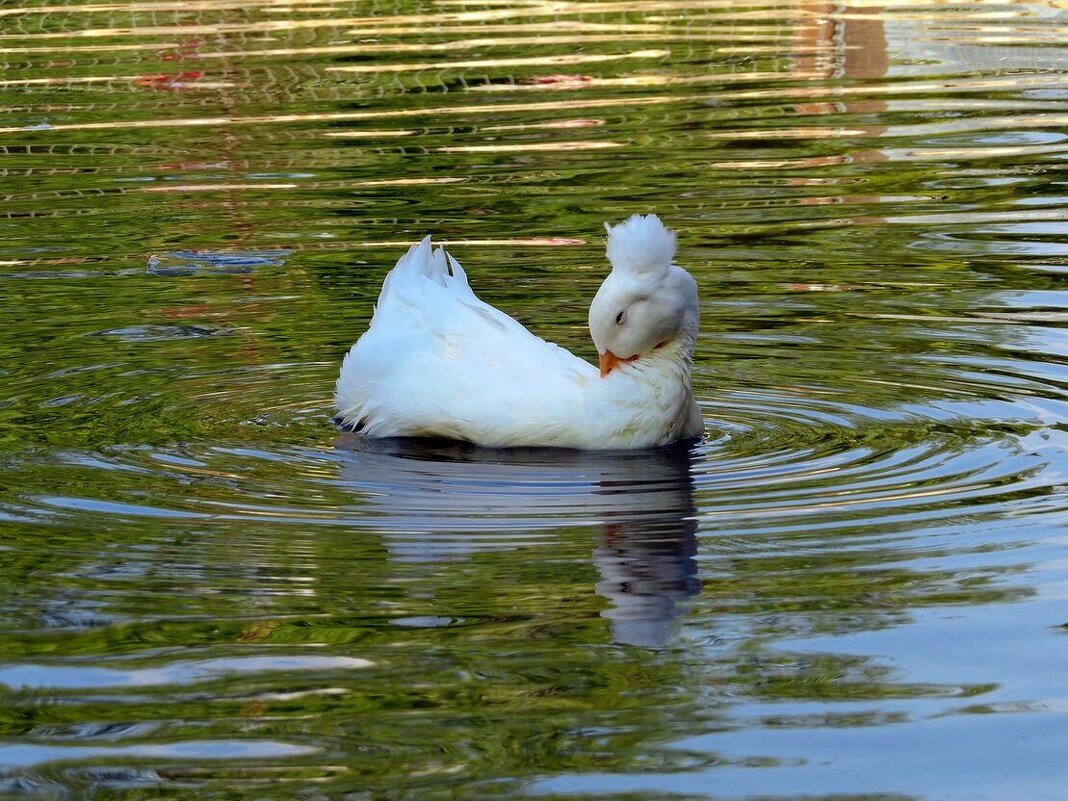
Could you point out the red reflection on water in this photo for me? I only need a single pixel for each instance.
(170, 82)
(562, 81)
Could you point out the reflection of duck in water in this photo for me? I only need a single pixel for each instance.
(436, 500)
(647, 562)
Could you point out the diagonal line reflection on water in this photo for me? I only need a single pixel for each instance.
(486, 108)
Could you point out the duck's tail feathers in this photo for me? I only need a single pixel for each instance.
(642, 246)
(424, 262)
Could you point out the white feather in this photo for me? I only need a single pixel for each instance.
(641, 245)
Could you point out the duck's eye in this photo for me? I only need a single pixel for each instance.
(620, 316)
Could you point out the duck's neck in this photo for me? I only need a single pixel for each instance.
(672, 362)
(649, 401)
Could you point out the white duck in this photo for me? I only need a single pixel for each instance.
(438, 362)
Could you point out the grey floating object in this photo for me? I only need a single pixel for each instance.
(214, 262)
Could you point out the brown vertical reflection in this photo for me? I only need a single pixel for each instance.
(836, 42)
(831, 46)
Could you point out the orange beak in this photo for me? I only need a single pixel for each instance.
(609, 361)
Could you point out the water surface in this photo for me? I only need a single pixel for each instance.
(852, 588)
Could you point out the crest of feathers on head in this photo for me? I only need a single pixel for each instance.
(641, 246)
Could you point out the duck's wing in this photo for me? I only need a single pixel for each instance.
(438, 361)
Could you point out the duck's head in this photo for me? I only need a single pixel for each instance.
(646, 302)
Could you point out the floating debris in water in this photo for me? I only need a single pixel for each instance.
(154, 333)
(214, 262)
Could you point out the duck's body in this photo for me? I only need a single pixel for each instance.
(438, 362)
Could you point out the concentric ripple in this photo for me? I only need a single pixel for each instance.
(210, 591)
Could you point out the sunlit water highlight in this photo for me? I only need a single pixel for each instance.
(852, 587)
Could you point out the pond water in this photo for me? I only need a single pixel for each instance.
(853, 588)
